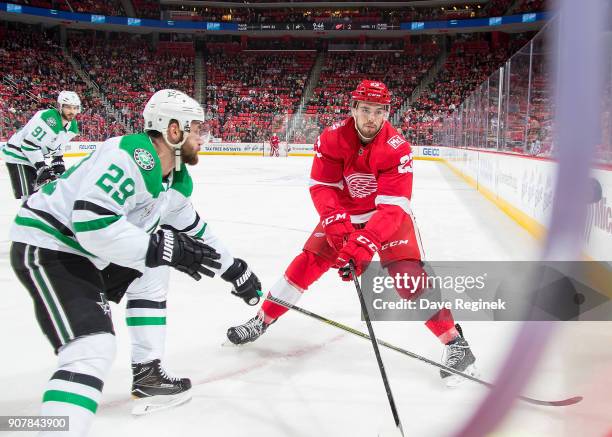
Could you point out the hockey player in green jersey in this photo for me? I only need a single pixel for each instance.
(91, 235)
(42, 138)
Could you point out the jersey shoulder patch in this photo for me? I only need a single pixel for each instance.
(396, 141)
(143, 154)
(182, 182)
(53, 119)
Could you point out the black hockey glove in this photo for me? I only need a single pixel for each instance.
(246, 283)
(57, 165)
(44, 174)
(184, 253)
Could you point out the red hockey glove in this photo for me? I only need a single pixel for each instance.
(360, 249)
(337, 229)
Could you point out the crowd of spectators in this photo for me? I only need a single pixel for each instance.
(342, 71)
(34, 71)
(128, 70)
(249, 95)
(254, 94)
(470, 62)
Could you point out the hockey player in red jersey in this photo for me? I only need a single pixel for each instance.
(274, 143)
(361, 186)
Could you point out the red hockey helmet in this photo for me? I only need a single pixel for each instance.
(373, 92)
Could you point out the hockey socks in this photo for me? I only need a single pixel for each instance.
(75, 389)
(146, 320)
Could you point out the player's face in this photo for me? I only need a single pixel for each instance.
(69, 112)
(191, 147)
(369, 118)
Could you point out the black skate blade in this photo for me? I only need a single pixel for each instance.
(154, 404)
(228, 343)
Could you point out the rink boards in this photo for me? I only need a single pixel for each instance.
(522, 186)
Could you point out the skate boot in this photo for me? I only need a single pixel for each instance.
(153, 389)
(249, 331)
(457, 355)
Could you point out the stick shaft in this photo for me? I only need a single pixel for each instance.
(558, 403)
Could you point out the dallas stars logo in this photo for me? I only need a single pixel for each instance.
(104, 305)
(144, 159)
(51, 121)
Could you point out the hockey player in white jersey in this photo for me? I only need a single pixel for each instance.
(43, 138)
(91, 236)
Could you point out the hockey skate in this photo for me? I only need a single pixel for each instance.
(154, 390)
(249, 331)
(458, 355)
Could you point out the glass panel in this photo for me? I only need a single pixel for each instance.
(541, 114)
(518, 74)
(493, 100)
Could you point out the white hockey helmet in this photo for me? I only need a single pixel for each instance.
(68, 98)
(167, 105)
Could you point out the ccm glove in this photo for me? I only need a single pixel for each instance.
(44, 174)
(359, 250)
(184, 253)
(58, 166)
(246, 283)
(337, 229)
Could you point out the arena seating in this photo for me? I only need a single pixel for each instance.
(342, 71)
(129, 72)
(252, 95)
(249, 94)
(36, 81)
(470, 62)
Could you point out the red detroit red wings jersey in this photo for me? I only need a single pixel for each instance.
(372, 183)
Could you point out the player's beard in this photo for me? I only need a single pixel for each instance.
(189, 157)
(368, 132)
(68, 117)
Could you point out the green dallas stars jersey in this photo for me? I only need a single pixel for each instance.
(41, 137)
(106, 206)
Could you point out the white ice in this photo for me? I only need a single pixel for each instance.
(305, 378)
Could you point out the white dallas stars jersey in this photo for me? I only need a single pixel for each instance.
(106, 206)
(41, 137)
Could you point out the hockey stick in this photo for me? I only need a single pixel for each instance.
(381, 366)
(560, 403)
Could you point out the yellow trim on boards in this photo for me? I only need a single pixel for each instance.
(530, 225)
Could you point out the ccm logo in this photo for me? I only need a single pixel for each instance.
(333, 218)
(393, 244)
(363, 240)
(431, 152)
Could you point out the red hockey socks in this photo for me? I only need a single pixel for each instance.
(303, 271)
(441, 324)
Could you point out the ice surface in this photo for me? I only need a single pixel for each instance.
(304, 378)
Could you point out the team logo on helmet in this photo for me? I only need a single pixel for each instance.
(144, 159)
